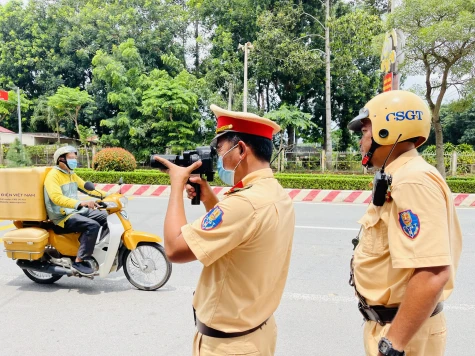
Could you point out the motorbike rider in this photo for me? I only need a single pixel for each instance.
(67, 211)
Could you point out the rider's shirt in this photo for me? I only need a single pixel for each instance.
(61, 194)
(417, 228)
(244, 243)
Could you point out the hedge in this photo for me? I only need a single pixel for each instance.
(292, 181)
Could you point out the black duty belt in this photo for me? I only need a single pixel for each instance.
(206, 330)
(383, 315)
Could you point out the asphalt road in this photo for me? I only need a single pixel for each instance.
(317, 315)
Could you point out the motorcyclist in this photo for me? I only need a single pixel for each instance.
(67, 211)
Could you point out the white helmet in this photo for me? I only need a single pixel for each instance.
(63, 150)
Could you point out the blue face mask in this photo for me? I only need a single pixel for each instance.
(72, 163)
(226, 175)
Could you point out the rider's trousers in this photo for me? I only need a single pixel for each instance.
(89, 225)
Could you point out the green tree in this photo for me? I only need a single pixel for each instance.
(289, 118)
(173, 107)
(67, 102)
(287, 52)
(17, 155)
(86, 133)
(9, 109)
(458, 126)
(154, 110)
(440, 45)
(355, 67)
(44, 114)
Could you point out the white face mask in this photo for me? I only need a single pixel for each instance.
(226, 175)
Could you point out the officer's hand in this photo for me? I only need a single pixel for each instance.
(89, 204)
(206, 193)
(178, 175)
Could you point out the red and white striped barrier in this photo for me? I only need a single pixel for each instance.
(297, 195)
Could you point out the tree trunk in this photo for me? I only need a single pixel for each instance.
(279, 161)
(87, 157)
(439, 140)
(439, 144)
(263, 104)
(291, 133)
(76, 121)
(267, 97)
(197, 48)
(230, 96)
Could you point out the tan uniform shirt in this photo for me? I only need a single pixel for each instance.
(244, 243)
(418, 228)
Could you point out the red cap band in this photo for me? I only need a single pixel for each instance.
(245, 126)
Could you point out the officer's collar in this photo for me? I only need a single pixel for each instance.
(256, 175)
(62, 170)
(401, 160)
(251, 178)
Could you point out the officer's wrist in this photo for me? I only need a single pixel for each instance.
(389, 348)
(395, 341)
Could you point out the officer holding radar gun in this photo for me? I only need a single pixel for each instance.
(410, 241)
(243, 241)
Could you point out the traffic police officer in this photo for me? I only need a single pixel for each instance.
(409, 246)
(244, 241)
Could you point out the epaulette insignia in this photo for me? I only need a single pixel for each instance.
(235, 189)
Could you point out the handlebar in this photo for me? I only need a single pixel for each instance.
(101, 204)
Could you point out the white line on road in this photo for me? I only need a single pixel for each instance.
(326, 228)
(317, 298)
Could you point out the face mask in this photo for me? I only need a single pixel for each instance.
(72, 163)
(226, 175)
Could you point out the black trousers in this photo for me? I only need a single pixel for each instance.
(89, 225)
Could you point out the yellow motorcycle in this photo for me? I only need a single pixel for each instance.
(45, 255)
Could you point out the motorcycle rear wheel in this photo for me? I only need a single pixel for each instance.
(40, 277)
(157, 267)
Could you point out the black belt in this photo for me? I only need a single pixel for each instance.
(206, 330)
(383, 315)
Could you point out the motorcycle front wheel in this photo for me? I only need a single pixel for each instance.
(40, 277)
(155, 270)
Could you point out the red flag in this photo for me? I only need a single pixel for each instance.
(3, 95)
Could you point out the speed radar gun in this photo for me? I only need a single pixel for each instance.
(206, 154)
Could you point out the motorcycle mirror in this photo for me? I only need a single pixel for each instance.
(89, 186)
(121, 181)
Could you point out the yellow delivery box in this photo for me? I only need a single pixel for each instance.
(22, 193)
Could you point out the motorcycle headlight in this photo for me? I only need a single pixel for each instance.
(124, 201)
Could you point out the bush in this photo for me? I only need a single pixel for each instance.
(114, 159)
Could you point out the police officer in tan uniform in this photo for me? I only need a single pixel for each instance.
(409, 247)
(244, 241)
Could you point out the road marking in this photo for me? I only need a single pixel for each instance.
(322, 298)
(326, 228)
(6, 227)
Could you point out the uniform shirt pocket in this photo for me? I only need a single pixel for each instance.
(374, 235)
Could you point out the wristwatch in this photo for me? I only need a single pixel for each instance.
(386, 348)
